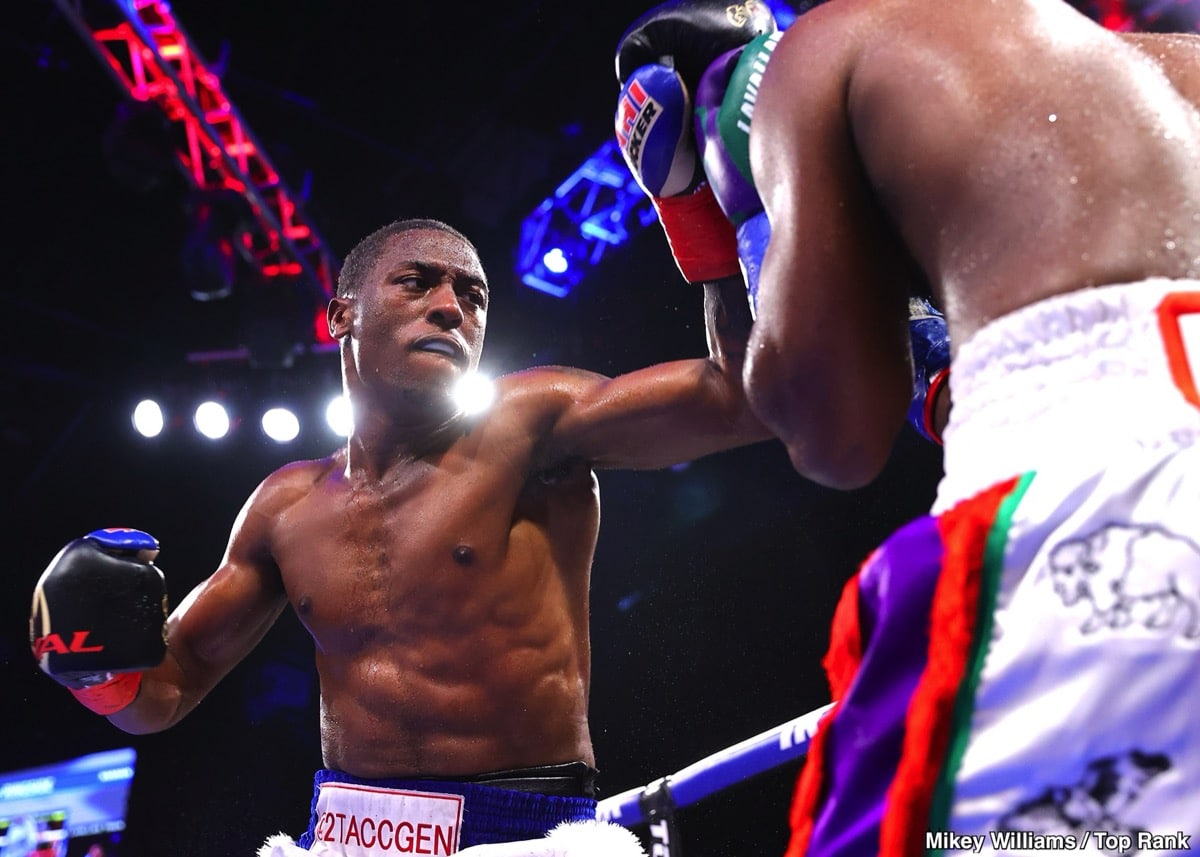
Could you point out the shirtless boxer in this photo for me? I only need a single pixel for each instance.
(440, 561)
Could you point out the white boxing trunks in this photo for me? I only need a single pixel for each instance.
(1020, 672)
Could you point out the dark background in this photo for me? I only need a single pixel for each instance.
(713, 584)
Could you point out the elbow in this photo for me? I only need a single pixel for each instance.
(767, 387)
(135, 727)
(825, 440)
(135, 722)
(844, 468)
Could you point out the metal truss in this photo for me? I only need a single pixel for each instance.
(152, 58)
(594, 210)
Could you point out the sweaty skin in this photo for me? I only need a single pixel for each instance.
(441, 563)
(1001, 152)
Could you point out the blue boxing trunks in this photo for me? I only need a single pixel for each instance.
(1020, 671)
(368, 817)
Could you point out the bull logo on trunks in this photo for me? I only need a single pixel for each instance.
(1131, 575)
(1097, 801)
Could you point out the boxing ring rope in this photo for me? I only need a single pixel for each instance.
(655, 802)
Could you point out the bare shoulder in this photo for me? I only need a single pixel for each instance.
(543, 393)
(1177, 54)
(292, 482)
(806, 79)
(844, 26)
(256, 527)
(1184, 45)
(534, 404)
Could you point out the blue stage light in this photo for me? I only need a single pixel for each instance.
(597, 208)
(555, 261)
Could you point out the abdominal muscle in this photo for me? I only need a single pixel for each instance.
(449, 617)
(466, 702)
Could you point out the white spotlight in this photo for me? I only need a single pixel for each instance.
(212, 420)
(339, 416)
(148, 418)
(555, 261)
(474, 393)
(280, 425)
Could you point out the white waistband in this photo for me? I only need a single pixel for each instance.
(1064, 379)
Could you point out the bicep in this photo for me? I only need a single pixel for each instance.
(224, 617)
(650, 418)
(214, 627)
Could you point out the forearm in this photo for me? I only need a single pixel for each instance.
(160, 702)
(837, 410)
(203, 646)
(728, 323)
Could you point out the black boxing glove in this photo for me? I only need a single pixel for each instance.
(99, 617)
(687, 35)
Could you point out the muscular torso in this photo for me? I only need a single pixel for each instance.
(448, 606)
(1013, 149)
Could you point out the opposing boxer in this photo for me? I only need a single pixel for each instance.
(1019, 667)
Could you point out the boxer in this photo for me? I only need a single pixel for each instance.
(1038, 175)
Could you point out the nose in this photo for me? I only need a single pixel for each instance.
(443, 308)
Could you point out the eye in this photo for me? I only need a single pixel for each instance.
(477, 297)
(409, 281)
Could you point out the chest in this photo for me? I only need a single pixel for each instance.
(351, 539)
(434, 551)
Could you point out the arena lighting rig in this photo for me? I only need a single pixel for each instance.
(282, 408)
(154, 61)
(594, 210)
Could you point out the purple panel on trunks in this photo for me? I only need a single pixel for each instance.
(867, 734)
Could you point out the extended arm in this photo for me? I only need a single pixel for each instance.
(681, 410)
(663, 414)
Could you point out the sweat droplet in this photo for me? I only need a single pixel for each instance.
(1053, 117)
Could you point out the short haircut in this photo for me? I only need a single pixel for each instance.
(366, 253)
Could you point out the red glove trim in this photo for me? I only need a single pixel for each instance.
(935, 385)
(702, 240)
(111, 696)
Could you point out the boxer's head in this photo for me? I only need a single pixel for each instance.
(411, 310)
(366, 253)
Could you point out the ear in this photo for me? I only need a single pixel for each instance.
(339, 315)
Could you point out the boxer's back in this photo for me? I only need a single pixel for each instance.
(1019, 149)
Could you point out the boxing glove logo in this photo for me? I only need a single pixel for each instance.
(55, 643)
(635, 118)
(44, 641)
(740, 13)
